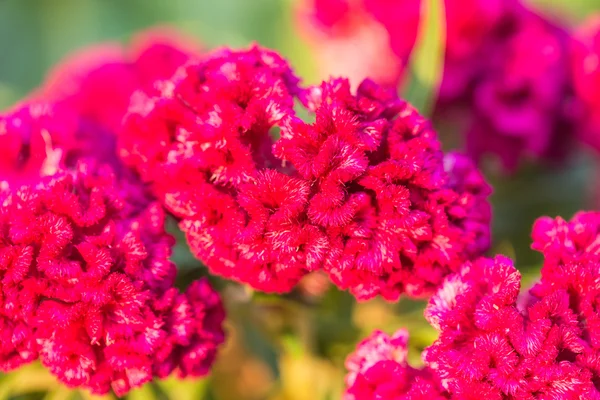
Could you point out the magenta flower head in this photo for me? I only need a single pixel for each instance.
(494, 345)
(363, 192)
(396, 220)
(205, 145)
(378, 369)
(585, 61)
(87, 285)
(523, 105)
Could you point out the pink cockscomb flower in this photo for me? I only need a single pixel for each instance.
(493, 346)
(205, 145)
(523, 106)
(472, 31)
(396, 220)
(87, 285)
(363, 192)
(585, 61)
(378, 369)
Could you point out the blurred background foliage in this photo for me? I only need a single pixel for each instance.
(279, 348)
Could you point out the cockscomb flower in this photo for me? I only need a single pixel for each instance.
(490, 347)
(362, 192)
(87, 285)
(585, 62)
(205, 145)
(522, 107)
(378, 369)
(396, 220)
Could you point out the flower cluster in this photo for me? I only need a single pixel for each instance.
(87, 285)
(363, 192)
(495, 344)
(506, 69)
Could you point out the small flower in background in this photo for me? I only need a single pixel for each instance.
(523, 106)
(97, 82)
(37, 138)
(339, 30)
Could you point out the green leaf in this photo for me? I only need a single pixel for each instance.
(427, 60)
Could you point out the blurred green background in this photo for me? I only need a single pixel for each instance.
(279, 348)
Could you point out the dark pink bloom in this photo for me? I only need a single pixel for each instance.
(96, 83)
(473, 28)
(87, 285)
(585, 61)
(523, 104)
(378, 369)
(506, 69)
(397, 221)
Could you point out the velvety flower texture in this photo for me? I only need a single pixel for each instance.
(205, 145)
(378, 369)
(398, 216)
(585, 60)
(494, 343)
(87, 285)
(545, 346)
(363, 192)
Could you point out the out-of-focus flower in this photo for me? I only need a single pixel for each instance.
(339, 30)
(523, 105)
(585, 61)
(396, 220)
(378, 369)
(97, 83)
(87, 285)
